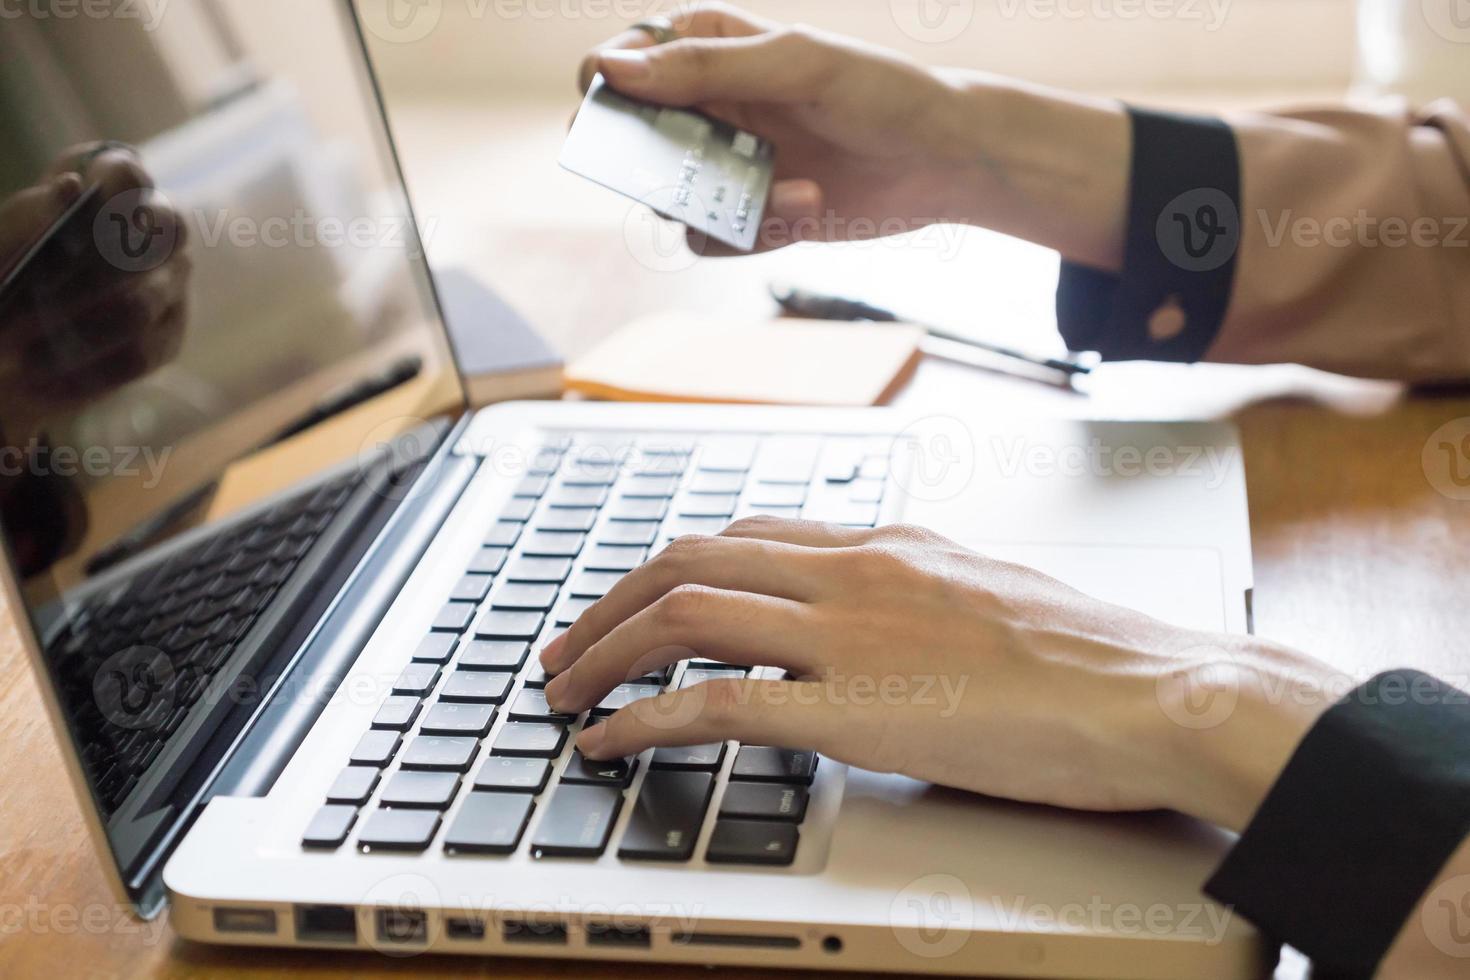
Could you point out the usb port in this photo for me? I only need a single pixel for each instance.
(400, 926)
(261, 921)
(464, 929)
(544, 933)
(326, 923)
(628, 938)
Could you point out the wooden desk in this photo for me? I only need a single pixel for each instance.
(1358, 559)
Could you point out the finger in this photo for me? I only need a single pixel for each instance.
(741, 565)
(783, 67)
(793, 214)
(26, 216)
(789, 714)
(810, 534)
(703, 20)
(732, 627)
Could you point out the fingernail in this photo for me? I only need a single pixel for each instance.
(591, 738)
(556, 688)
(625, 65)
(67, 187)
(797, 195)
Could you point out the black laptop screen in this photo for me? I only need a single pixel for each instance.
(214, 311)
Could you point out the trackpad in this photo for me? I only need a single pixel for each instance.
(1183, 586)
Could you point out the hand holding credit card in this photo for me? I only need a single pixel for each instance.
(685, 166)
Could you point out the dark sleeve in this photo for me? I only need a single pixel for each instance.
(1359, 824)
(1180, 249)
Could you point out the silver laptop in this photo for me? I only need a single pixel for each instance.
(284, 593)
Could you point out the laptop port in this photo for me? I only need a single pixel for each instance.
(261, 921)
(628, 938)
(731, 940)
(544, 933)
(464, 929)
(326, 924)
(402, 926)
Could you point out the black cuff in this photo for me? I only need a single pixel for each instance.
(1180, 250)
(1372, 804)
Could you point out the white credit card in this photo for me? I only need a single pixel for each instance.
(687, 167)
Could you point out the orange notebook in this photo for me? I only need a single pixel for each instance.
(695, 357)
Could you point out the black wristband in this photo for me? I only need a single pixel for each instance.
(1372, 804)
(1179, 253)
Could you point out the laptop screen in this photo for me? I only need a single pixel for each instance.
(214, 312)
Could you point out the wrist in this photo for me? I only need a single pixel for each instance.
(1233, 715)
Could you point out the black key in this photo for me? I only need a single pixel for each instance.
(536, 676)
(764, 801)
(578, 821)
(623, 695)
(752, 842)
(640, 533)
(525, 595)
(417, 679)
(513, 775)
(567, 519)
(614, 558)
(489, 823)
(707, 505)
(472, 588)
(398, 830)
(553, 544)
(764, 764)
(421, 790)
(639, 509)
(530, 705)
(353, 785)
(503, 535)
(435, 648)
(376, 749)
(454, 617)
(506, 624)
(528, 739)
(612, 772)
(667, 816)
(487, 561)
(476, 687)
(459, 719)
(532, 486)
(577, 497)
(440, 753)
(649, 486)
(520, 509)
(330, 827)
(593, 585)
(493, 655)
(571, 610)
(397, 714)
(707, 757)
(539, 570)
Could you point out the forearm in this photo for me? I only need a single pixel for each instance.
(1435, 940)
(1036, 163)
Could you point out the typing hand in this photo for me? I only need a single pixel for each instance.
(864, 137)
(914, 655)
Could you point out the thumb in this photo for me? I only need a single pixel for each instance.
(25, 216)
(781, 67)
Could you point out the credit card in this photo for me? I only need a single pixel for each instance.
(687, 167)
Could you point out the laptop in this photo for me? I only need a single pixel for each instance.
(284, 592)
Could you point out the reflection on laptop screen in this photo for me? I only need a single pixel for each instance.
(206, 258)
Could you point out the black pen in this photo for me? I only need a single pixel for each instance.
(817, 306)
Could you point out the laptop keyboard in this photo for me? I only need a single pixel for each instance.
(466, 755)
